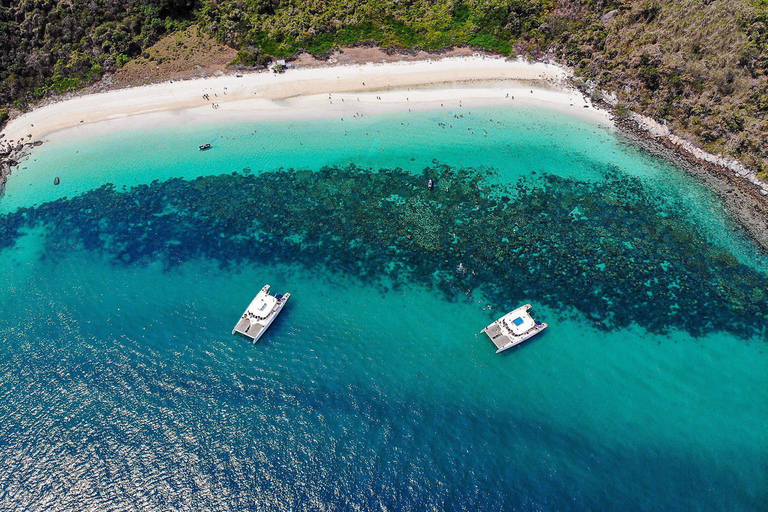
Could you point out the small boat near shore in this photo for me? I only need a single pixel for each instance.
(513, 328)
(260, 314)
(204, 147)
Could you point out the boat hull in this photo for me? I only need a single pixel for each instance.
(520, 339)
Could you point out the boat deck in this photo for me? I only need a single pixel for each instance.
(246, 328)
(504, 341)
(497, 337)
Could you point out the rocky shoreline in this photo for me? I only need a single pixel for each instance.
(11, 153)
(743, 194)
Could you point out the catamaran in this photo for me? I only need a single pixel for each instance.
(514, 328)
(260, 314)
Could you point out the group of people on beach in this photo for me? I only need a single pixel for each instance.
(207, 97)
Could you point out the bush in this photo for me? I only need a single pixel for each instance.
(251, 57)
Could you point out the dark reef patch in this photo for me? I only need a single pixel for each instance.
(608, 249)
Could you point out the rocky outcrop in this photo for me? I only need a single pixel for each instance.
(657, 129)
(11, 152)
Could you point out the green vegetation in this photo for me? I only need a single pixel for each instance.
(53, 46)
(282, 28)
(701, 67)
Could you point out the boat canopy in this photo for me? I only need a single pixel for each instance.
(518, 321)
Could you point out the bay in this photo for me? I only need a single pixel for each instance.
(122, 386)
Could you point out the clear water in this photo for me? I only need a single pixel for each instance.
(122, 387)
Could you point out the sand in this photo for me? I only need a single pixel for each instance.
(301, 93)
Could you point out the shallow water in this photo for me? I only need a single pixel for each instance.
(122, 387)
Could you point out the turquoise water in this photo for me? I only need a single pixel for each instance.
(122, 387)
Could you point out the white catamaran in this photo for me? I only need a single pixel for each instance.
(513, 328)
(260, 314)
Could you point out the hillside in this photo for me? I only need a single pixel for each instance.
(699, 66)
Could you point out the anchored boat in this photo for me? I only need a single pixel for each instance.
(260, 314)
(204, 147)
(514, 328)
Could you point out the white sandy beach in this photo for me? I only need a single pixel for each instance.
(313, 92)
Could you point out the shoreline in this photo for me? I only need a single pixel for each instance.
(322, 90)
(394, 99)
(262, 92)
(303, 91)
(742, 199)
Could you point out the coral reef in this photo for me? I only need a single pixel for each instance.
(608, 250)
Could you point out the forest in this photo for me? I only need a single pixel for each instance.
(698, 65)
